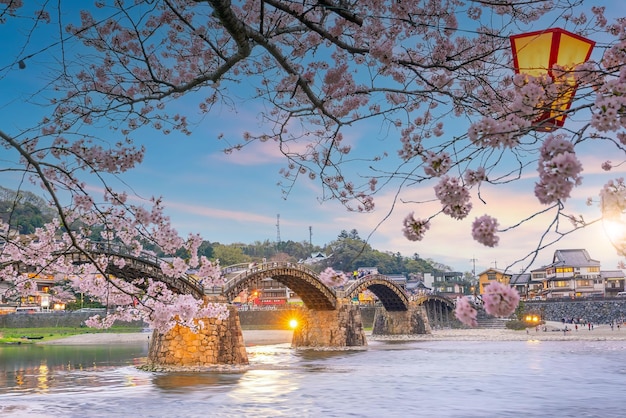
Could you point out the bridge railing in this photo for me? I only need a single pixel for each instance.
(235, 268)
(152, 261)
(114, 248)
(242, 271)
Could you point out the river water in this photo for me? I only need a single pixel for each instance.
(387, 379)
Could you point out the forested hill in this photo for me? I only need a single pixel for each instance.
(23, 211)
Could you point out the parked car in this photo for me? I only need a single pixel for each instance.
(621, 295)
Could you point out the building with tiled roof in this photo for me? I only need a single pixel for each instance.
(613, 281)
(573, 274)
(521, 283)
(492, 275)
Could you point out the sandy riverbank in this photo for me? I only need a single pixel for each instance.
(266, 337)
(553, 332)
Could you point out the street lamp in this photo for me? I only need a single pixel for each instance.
(536, 54)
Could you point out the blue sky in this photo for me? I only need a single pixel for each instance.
(235, 198)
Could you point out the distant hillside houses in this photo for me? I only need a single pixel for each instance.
(450, 283)
(572, 274)
(315, 258)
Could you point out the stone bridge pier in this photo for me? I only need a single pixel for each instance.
(218, 342)
(412, 321)
(341, 327)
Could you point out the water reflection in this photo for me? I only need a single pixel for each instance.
(316, 355)
(33, 368)
(185, 382)
(42, 378)
(430, 379)
(56, 357)
(265, 390)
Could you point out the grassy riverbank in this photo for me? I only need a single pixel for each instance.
(33, 335)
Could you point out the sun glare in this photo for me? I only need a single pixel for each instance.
(293, 324)
(615, 231)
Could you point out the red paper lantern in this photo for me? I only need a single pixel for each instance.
(536, 54)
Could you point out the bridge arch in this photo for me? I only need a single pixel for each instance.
(433, 298)
(439, 309)
(391, 295)
(304, 282)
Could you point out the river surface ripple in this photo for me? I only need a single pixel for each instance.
(388, 379)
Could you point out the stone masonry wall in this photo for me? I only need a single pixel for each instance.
(339, 328)
(267, 319)
(413, 321)
(596, 311)
(218, 342)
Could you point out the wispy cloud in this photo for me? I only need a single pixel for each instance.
(219, 214)
(450, 241)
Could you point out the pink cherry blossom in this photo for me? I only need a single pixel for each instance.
(473, 178)
(613, 198)
(431, 81)
(414, 229)
(559, 170)
(500, 300)
(454, 197)
(484, 231)
(492, 133)
(465, 312)
(437, 164)
(332, 278)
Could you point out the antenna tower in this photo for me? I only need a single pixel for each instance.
(278, 228)
(311, 236)
(474, 260)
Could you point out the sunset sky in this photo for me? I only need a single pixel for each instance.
(235, 198)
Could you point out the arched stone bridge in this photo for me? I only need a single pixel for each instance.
(438, 309)
(329, 320)
(390, 294)
(300, 279)
(297, 277)
(307, 285)
(402, 314)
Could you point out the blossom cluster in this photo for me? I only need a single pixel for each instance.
(436, 164)
(500, 299)
(613, 198)
(465, 312)
(484, 231)
(51, 251)
(414, 229)
(454, 197)
(493, 133)
(609, 106)
(559, 170)
(332, 278)
(474, 177)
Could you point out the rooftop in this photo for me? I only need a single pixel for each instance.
(573, 258)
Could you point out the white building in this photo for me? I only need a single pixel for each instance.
(573, 274)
